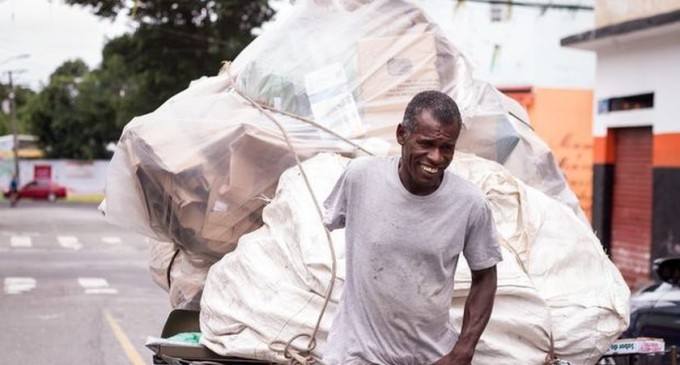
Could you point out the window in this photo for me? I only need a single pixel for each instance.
(497, 13)
(631, 102)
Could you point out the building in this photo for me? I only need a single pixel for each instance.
(27, 147)
(516, 48)
(636, 129)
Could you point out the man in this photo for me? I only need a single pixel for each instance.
(14, 190)
(407, 220)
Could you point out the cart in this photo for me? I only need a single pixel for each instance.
(172, 353)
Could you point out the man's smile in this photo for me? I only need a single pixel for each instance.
(429, 170)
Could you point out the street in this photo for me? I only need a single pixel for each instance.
(76, 289)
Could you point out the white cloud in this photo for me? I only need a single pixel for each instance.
(51, 32)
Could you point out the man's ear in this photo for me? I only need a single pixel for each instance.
(401, 134)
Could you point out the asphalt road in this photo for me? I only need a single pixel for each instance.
(76, 290)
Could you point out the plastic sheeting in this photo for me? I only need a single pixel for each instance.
(555, 278)
(199, 169)
(354, 65)
(186, 174)
(196, 175)
(181, 274)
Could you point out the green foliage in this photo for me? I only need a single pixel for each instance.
(53, 117)
(22, 96)
(175, 42)
(79, 111)
(73, 116)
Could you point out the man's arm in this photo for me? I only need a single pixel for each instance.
(478, 307)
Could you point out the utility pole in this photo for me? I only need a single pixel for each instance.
(13, 116)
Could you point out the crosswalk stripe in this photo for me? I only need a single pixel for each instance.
(69, 242)
(18, 285)
(21, 241)
(101, 291)
(112, 240)
(96, 286)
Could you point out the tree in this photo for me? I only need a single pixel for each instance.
(175, 42)
(22, 96)
(71, 115)
(80, 111)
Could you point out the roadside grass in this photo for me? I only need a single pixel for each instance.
(79, 198)
(85, 198)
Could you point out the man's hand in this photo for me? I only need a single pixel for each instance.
(478, 307)
(453, 359)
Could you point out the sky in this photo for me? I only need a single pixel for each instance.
(49, 32)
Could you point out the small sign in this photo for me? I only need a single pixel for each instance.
(42, 172)
(331, 100)
(641, 345)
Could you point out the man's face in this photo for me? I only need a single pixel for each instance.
(425, 153)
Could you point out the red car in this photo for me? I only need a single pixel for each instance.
(41, 189)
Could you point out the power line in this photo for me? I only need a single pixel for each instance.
(535, 5)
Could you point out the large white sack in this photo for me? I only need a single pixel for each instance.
(555, 277)
(271, 287)
(585, 293)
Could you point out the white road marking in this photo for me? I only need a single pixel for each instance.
(96, 286)
(45, 317)
(112, 240)
(18, 285)
(21, 242)
(101, 291)
(69, 242)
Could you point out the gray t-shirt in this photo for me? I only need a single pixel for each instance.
(401, 252)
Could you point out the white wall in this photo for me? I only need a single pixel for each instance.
(530, 51)
(638, 67)
(79, 177)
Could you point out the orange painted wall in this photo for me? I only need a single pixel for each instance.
(563, 118)
(667, 150)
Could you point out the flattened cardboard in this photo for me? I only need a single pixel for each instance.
(392, 70)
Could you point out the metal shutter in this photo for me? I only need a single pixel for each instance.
(632, 203)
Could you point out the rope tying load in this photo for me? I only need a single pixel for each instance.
(297, 355)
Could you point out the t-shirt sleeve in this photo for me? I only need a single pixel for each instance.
(336, 204)
(482, 249)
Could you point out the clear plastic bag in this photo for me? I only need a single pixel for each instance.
(179, 273)
(199, 169)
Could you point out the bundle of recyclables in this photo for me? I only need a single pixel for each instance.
(211, 177)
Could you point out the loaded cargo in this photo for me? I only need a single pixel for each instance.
(226, 177)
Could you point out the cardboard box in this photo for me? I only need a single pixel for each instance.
(234, 221)
(642, 345)
(392, 70)
(235, 205)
